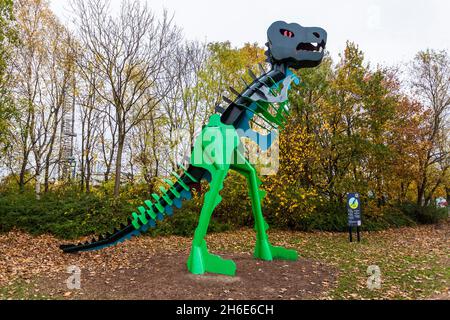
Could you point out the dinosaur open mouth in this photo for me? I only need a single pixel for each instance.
(311, 46)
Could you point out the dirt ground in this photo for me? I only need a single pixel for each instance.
(147, 268)
(164, 276)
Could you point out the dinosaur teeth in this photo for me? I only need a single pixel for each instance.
(310, 47)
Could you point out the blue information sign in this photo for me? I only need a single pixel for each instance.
(354, 209)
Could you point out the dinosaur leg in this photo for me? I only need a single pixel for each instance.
(263, 250)
(200, 260)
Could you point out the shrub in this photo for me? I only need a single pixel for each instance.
(64, 214)
(184, 222)
(69, 214)
(425, 215)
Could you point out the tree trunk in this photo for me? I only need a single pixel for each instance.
(88, 175)
(47, 163)
(82, 168)
(120, 147)
(421, 193)
(46, 174)
(107, 172)
(23, 170)
(109, 164)
(50, 152)
(37, 188)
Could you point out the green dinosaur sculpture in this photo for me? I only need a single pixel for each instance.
(218, 150)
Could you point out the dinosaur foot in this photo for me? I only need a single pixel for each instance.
(265, 251)
(201, 261)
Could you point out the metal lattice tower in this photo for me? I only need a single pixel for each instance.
(68, 135)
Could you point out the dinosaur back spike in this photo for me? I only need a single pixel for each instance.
(244, 82)
(219, 109)
(140, 223)
(261, 94)
(252, 75)
(262, 69)
(235, 92)
(187, 174)
(227, 100)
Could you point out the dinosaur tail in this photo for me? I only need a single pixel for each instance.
(147, 216)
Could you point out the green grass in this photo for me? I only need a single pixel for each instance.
(414, 261)
(408, 270)
(21, 290)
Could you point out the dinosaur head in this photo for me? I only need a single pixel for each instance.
(295, 46)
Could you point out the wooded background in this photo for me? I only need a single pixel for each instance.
(95, 115)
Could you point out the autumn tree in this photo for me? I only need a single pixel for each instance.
(346, 110)
(227, 67)
(32, 124)
(191, 63)
(40, 78)
(60, 89)
(129, 52)
(405, 141)
(430, 83)
(165, 137)
(93, 124)
(292, 195)
(8, 38)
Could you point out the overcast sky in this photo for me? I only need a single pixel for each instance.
(388, 31)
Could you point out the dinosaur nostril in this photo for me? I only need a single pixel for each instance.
(316, 34)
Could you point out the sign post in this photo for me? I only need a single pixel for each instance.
(354, 214)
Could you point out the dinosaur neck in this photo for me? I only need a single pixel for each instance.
(236, 110)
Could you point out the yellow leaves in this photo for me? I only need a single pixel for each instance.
(287, 193)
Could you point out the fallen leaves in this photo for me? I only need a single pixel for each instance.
(414, 261)
(24, 257)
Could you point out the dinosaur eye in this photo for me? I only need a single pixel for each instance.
(287, 33)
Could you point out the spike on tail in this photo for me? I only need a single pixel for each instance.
(153, 211)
